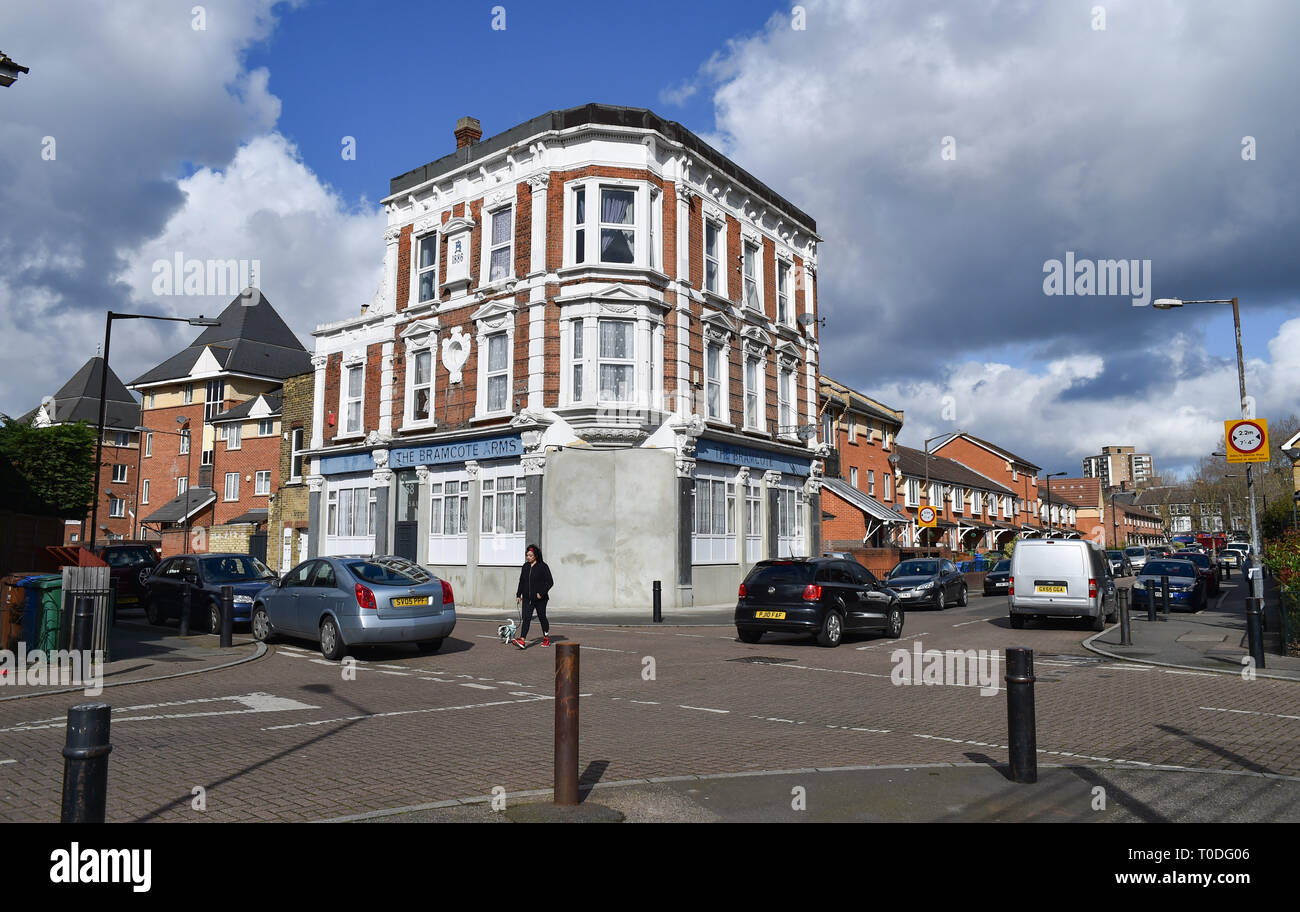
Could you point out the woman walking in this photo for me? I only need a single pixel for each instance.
(534, 590)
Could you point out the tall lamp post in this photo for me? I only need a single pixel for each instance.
(1049, 477)
(200, 320)
(189, 462)
(1169, 304)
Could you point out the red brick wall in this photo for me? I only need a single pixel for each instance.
(333, 421)
(695, 243)
(981, 460)
(734, 266)
(403, 289)
(255, 454)
(167, 464)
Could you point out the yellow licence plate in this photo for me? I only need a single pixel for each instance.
(770, 615)
(1039, 590)
(407, 602)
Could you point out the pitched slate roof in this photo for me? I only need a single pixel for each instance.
(252, 339)
(78, 399)
(242, 410)
(174, 509)
(912, 462)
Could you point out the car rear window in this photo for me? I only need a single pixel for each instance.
(1002, 566)
(1199, 560)
(388, 573)
(1048, 560)
(124, 557)
(1169, 568)
(780, 574)
(1135, 552)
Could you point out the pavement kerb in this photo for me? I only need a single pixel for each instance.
(1088, 645)
(626, 783)
(257, 654)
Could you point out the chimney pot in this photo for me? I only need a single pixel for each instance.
(468, 131)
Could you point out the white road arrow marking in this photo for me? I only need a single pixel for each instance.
(252, 703)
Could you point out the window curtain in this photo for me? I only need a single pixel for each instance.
(616, 208)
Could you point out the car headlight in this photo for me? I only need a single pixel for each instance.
(243, 600)
(925, 586)
(1137, 584)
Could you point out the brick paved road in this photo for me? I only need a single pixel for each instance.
(287, 738)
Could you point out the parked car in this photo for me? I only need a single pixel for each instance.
(1187, 587)
(1234, 553)
(129, 567)
(204, 575)
(1209, 570)
(998, 580)
(928, 581)
(1119, 563)
(826, 597)
(341, 602)
(1137, 557)
(1158, 551)
(1060, 578)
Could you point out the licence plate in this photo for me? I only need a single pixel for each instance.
(770, 615)
(407, 602)
(1058, 590)
(1001, 585)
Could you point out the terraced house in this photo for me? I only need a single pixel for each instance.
(587, 336)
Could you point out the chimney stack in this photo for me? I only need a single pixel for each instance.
(468, 131)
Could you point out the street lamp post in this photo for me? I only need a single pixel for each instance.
(1169, 304)
(200, 320)
(1049, 477)
(1114, 524)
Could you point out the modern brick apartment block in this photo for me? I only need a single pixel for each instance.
(587, 336)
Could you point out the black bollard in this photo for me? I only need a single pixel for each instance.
(227, 616)
(566, 724)
(85, 764)
(1164, 594)
(1255, 629)
(1151, 602)
(658, 602)
(186, 607)
(1022, 736)
(83, 627)
(1125, 627)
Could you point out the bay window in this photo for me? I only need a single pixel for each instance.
(577, 366)
(617, 225)
(617, 366)
(580, 225)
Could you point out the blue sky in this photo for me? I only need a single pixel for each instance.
(1122, 141)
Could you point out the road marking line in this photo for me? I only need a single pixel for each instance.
(976, 621)
(400, 674)
(1247, 712)
(703, 708)
(698, 636)
(400, 712)
(477, 686)
(1199, 674)
(1128, 667)
(253, 703)
(603, 649)
(645, 702)
(4, 762)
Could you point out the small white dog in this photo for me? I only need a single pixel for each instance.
(508, 631)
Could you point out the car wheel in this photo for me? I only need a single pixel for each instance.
(832, 630)
(261, 624)
(895, 628)
(153, 614)
(749, 636)
(214, 618)
(143, 576)
(331, 641)
(1099, 622)
(961, 602)
(1017, 622)
(939, 602)
(430, 645)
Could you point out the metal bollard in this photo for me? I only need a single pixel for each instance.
(1125, 627)
(1022, 735)
(1164, 595)
(658, 602)
(85, 764)
(187, 597)
(566, 724)
(83, 627)
(227, 616)
(1255, 629)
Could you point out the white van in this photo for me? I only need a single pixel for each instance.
(1053, 577)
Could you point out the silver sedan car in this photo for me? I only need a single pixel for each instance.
(357, 601)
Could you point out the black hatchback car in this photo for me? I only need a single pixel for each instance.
(928, 581)
(998, 580)
(204, 575)
(825, 597)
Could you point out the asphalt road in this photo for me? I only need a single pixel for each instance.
(294, 737)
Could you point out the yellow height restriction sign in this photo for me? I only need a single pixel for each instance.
(926, 517)
(1247, 439)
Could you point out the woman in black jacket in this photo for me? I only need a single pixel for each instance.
(534, 590)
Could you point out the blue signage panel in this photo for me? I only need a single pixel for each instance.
(341, 465)
(763, 460)
(456, 451)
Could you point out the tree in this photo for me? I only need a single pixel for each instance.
(57, 462)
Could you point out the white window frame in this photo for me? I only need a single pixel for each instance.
(791, 508)
(187, 394)
(871, 482)
(577, 232)
(144, 491)
(955, 499)
(645, 225)
(123, 467)
(297, 437)
(936, 495)
(182, 485)
(357, 537)
(226, 495)
(262, 483)
(345, 373)
(631, 361)
(747, 244)
(234, 436)
(758, 395)
(499, 545)
(116, 507)
(485, 263)
(722, 382)
(148, 445)
(787, 403)
(418, 272)
(852, 422)
(720, 225)
(487, 374)
(713, 523)
(266, 427)
(207, 458)
(912, 492)
(185, 443)
(413, 387)
(448, 547)
(785, 266)
(853, 476)
(213, 405)
(888, 478)
(976, 503)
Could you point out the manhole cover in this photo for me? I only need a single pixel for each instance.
(761, 660)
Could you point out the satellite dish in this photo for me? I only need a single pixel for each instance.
(805, 319)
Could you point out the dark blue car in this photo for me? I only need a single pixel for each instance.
(1187, 586)
(204, 575)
